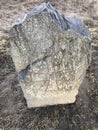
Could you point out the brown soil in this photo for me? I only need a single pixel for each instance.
(14, 114)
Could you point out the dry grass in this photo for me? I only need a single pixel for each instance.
(14, 114)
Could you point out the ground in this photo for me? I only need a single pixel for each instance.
(14, 114)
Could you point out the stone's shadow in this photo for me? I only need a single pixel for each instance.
(81, 115)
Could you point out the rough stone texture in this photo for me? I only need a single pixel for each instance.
(51, 54)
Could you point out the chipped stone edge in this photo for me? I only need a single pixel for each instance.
(64, 98)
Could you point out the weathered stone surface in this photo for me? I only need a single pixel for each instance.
(51, 54)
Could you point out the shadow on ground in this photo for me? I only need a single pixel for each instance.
(14, 114)
(82, 115)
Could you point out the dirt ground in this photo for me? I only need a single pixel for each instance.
(14, 114)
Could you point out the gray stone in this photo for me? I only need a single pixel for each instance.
(51, 54)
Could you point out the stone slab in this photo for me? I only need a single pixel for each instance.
(51, 54)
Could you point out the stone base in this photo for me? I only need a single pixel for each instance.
(65, 98)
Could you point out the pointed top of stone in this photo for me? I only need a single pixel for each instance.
(65, 23)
